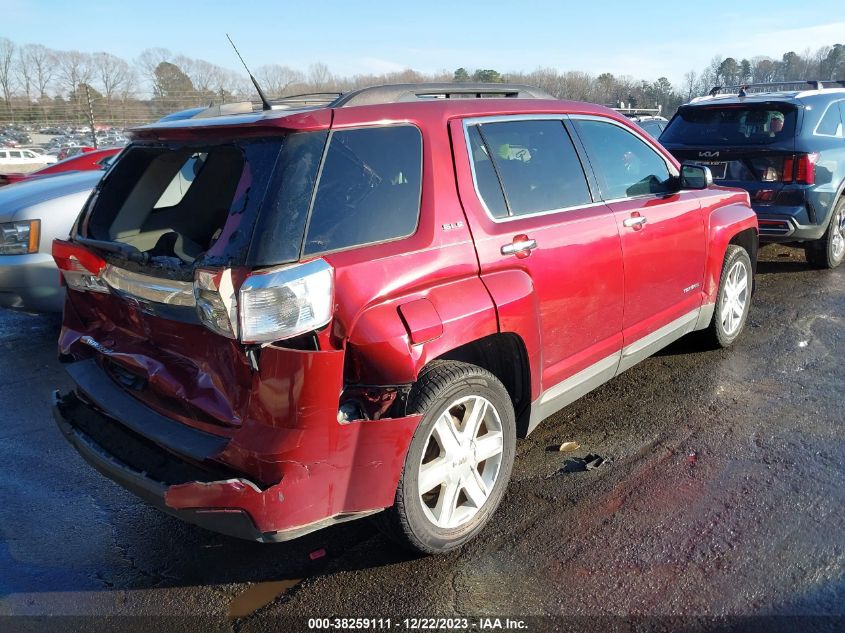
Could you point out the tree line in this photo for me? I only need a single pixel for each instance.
(46, 86)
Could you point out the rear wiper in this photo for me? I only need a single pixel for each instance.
(127, 251)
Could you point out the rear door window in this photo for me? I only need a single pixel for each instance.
(831, 123)
(624, 164)
(535, 162)
(369, 188)
(486, 181)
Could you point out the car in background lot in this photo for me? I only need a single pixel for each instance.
(99, 159)
(649, 119)
(32, 214)
(304, 317)
(72, 150)
(784, 143)
(11, 156)
(654, 125)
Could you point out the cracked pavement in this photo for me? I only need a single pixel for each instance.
(722, 495)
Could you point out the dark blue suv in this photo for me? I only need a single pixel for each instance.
(786, 147)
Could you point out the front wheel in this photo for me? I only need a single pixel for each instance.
(829, 251)
(734, 298)
(459, 460)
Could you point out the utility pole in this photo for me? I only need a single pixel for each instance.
(91, 116)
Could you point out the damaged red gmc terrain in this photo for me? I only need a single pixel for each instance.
(284, 319)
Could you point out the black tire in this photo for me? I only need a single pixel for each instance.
(440, 384)
(828, 251)
(716, 335)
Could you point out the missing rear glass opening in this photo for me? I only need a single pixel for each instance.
(166, 209)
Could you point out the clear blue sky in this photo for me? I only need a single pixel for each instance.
(625, 38)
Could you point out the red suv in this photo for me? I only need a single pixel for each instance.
(285, 319)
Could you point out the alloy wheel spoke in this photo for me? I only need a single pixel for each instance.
(475, 489)
(741, 285)
(726, 311)
(487, 446)
(446, 433)
(433, 474)
(447, 502)
(473, 419)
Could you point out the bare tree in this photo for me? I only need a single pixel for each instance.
(73, 68)
(23, 70)
(112, 72)
(276, 79)
(204, 75)
(763, 69)
(42, 63)
(147, 63)
(7, 56)
(319, 76)
(690, 83)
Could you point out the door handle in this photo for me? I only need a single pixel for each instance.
(635, 222)
(521, 246)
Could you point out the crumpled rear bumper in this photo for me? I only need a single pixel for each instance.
(328, 472)
(231, 521)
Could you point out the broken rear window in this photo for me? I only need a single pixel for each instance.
(187, 205)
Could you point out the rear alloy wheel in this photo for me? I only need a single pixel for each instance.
(829, 251)
(734, 298)
(459, 460)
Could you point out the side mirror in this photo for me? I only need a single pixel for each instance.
(695, 176)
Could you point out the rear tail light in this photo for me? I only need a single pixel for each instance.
(217, 304)
(800, 169)
(284, 302)
(79, 267)
(805, 169)
(269, 305)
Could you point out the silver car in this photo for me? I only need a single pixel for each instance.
(31, 215)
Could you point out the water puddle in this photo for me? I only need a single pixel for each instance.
(259, 595)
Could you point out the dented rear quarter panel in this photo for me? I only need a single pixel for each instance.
(292, 436)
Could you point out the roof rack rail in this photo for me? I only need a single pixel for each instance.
(308, 98)
(394, 93)
(246, 107)
(744, 89)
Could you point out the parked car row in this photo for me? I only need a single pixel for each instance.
(64, 141)
(277, 321)
(93, 160)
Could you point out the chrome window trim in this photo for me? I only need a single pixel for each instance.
(557, 117)
(505, 118)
